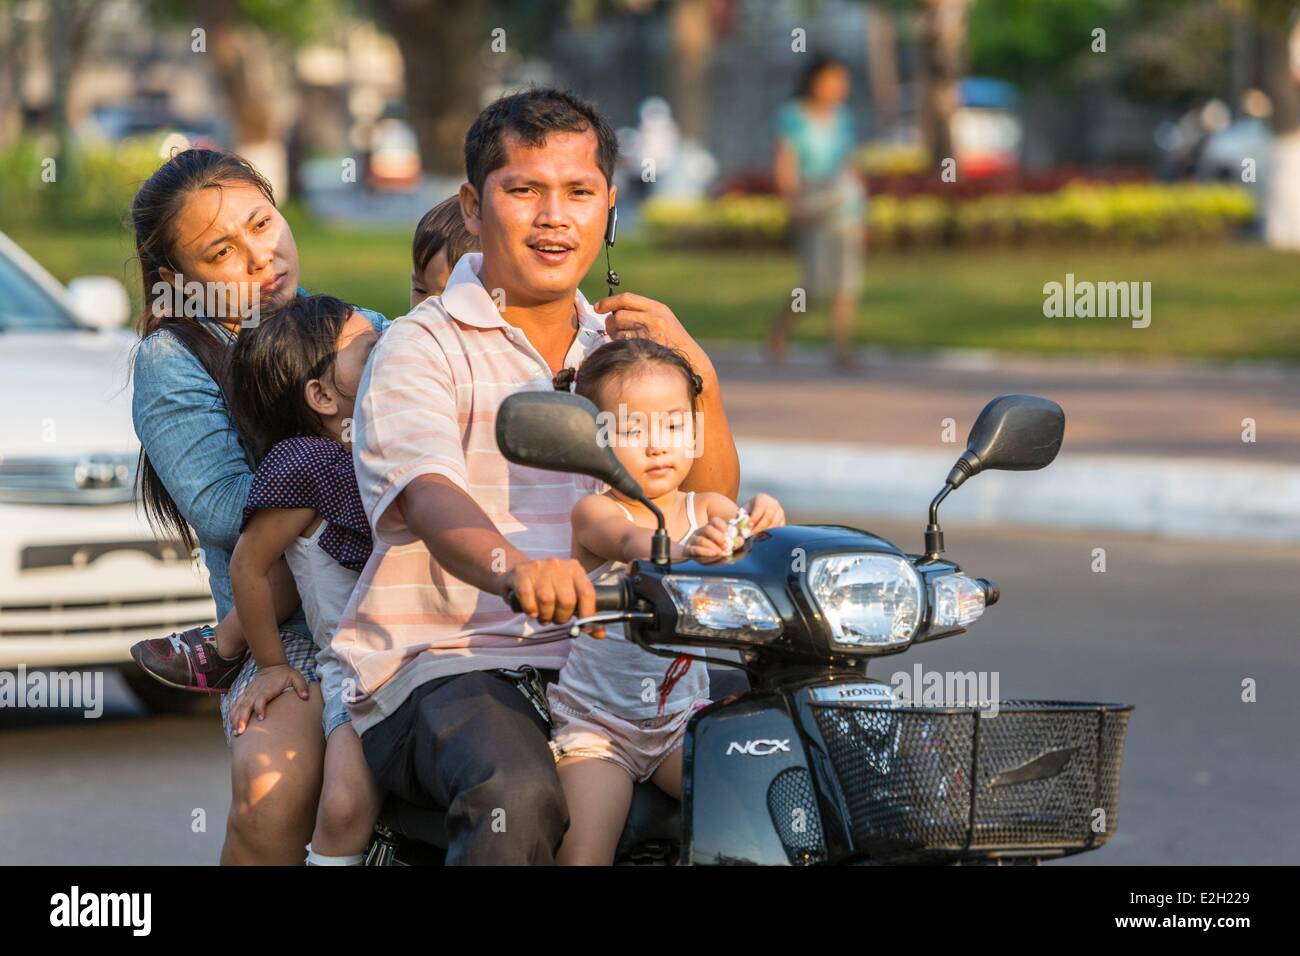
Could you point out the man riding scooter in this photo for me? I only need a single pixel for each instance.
(436, 657)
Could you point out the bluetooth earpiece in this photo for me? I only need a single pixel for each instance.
(611, 225)
(611, 229)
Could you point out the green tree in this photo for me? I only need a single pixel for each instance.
(1030, 42)
(441, 42)
(250, 45)
(939, 30)
(1274, 24)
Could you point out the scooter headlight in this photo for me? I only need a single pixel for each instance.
(723, 608)
(868, 600)
(958, 600)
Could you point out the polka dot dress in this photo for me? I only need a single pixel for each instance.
(307, 472)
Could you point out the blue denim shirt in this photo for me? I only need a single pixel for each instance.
(187, 432)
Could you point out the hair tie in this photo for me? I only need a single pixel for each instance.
(564, 379)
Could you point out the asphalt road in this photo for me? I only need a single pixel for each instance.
(1172, 627)
(1114, 406)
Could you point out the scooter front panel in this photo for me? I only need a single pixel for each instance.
(747, 797)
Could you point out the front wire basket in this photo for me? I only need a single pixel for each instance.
(927, 784)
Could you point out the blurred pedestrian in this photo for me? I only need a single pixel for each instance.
(815, 175)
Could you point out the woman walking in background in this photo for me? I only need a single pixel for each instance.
(815, 175)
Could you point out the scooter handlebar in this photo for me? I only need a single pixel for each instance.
(609, 597)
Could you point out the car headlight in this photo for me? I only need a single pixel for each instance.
(91, 479)
(868, 600)
(958, 600)
(723, 608)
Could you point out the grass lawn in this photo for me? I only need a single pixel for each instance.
(1217, 301)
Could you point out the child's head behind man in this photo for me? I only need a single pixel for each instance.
(440, 240)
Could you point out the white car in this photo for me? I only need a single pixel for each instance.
(81, 576)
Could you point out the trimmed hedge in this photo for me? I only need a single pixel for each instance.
(94, 185)
(1113, 213)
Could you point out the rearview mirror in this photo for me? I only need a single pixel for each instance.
(1012, 433)
(558, 431)
(99, 302)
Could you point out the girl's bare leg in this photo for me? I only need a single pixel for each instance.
(230, 637)
(275, 783)
(349, 800)
(599, 794)
(668, 775)
(284, 593)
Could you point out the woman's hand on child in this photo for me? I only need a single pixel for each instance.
(764, 512)
(269, 684)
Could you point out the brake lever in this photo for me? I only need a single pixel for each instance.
(609, 617)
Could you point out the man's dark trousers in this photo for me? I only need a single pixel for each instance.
(474, 745)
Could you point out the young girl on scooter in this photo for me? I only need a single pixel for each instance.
(619, 712)
(294, 381)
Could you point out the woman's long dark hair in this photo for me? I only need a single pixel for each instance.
(272, 364)
(154, 211)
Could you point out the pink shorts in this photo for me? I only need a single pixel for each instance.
(638, 746)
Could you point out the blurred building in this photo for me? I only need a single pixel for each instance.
(723, 67)
(621, 62)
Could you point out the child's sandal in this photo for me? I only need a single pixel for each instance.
(188, 660)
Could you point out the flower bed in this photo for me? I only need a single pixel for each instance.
(1094, 212)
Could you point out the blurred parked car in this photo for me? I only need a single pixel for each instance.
(1240, 153)
(81, 576)
(151, 120)
(986, 131)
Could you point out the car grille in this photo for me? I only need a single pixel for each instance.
(39, 556)
(929, 783)
(146, 617)
(92, 479)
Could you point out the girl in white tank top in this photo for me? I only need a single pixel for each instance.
(615, 675)
(618, 718)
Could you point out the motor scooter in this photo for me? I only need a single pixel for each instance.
(810, 760)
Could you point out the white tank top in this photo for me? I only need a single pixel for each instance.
(620, 678)
(324, 587)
